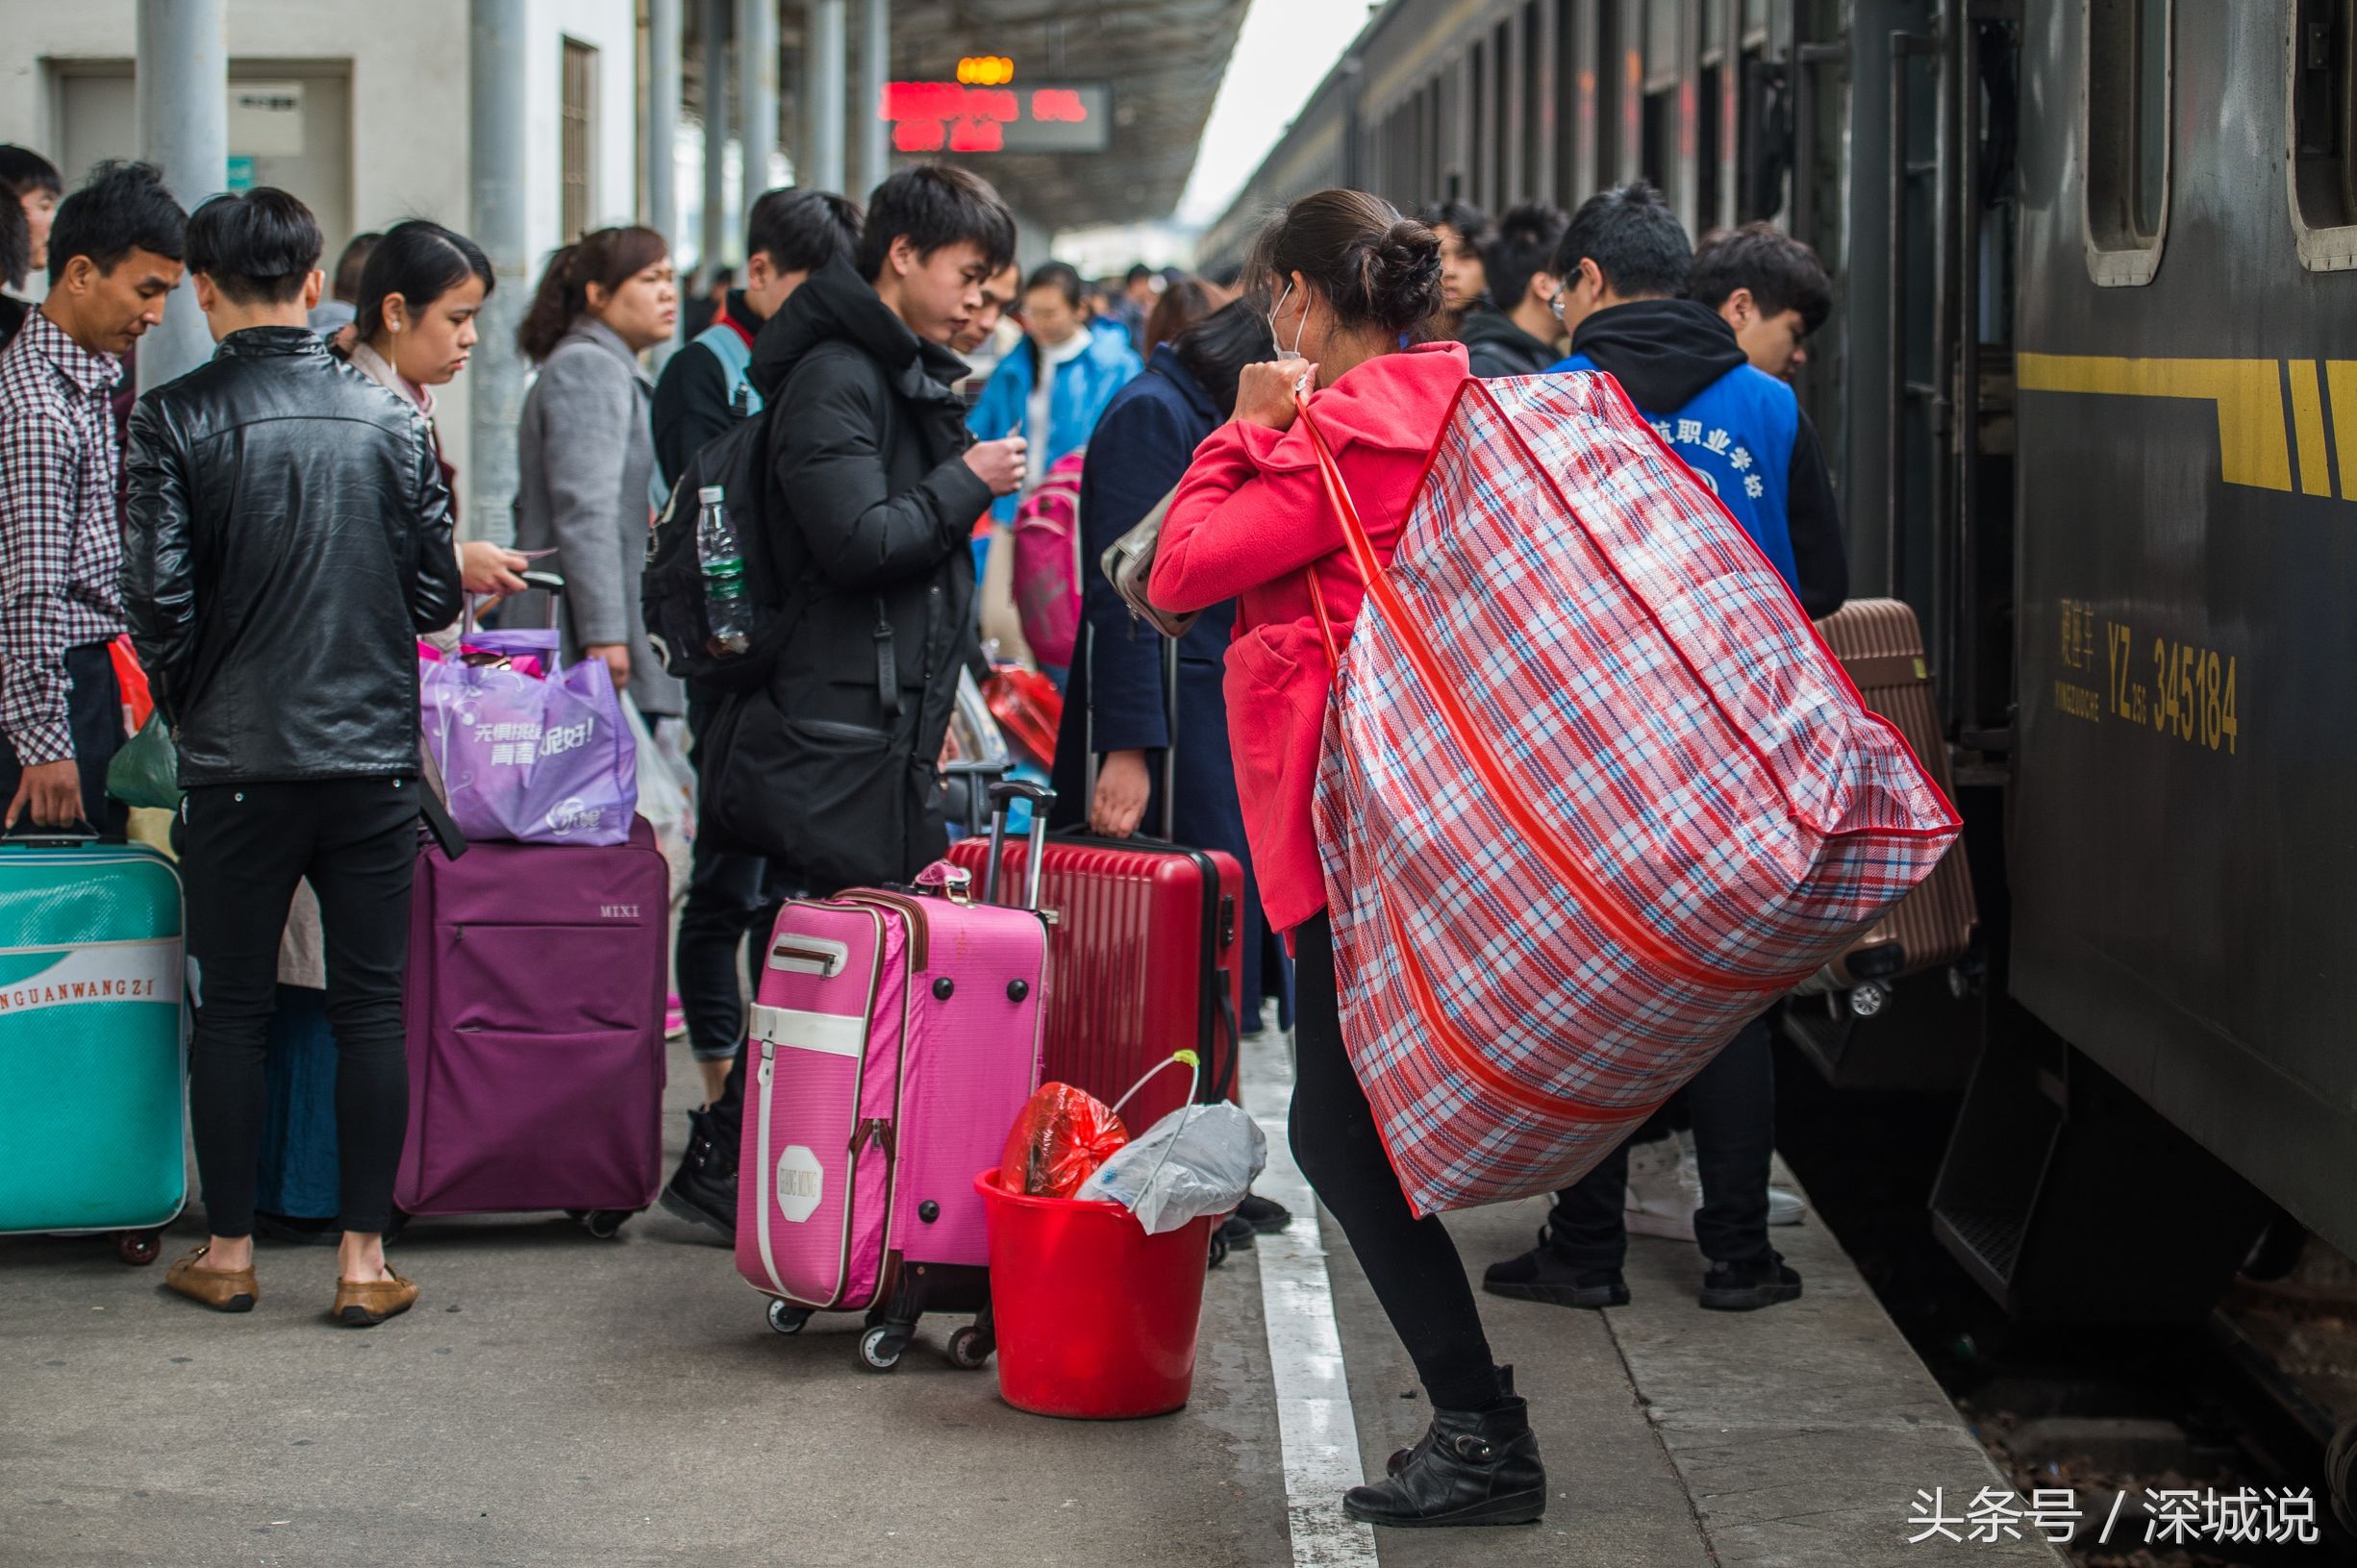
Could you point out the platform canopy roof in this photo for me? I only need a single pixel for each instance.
(1162, 59)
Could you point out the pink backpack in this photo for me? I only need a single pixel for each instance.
(1048, 563)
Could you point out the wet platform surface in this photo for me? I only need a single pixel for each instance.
(560, 1399)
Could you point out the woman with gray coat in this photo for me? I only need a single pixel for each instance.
(586, 449)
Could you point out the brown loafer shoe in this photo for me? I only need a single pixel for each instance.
(224, 1290)
(365, 1303)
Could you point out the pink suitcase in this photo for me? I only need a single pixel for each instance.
(895, 1035)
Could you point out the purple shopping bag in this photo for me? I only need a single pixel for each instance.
(540, 761)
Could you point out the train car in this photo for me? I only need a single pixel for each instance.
(2079, 399)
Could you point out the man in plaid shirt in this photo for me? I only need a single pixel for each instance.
(113, 256)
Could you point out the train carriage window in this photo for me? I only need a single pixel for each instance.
(2321, 71)
(2127, 137)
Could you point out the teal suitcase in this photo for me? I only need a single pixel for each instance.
(93, 1074)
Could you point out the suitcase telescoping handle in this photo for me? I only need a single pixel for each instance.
(1002, 795)
(549, 583)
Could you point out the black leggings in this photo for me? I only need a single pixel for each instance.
(1411, 1263)
(245, 847)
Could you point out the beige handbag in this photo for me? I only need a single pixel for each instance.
(1130, 564)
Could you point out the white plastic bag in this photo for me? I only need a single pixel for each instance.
(1197, 1160)
(667, 798)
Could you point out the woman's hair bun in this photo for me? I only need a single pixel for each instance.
(1403, 276)
(1374, 267)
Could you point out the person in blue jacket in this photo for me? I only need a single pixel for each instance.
(1114, 701)
(1058, 378)
(1623, 265)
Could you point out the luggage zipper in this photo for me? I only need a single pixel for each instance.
(875, 1128)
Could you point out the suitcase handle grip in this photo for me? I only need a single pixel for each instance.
(1002, 794)
(33, 837)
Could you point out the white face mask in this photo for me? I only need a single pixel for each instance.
(1273, 340)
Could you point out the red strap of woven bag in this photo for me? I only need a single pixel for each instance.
(1601, 903)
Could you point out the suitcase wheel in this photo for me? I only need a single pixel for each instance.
(786, 1318)
(882, 1347)
(137, 1246)
(971, 1348)
(605, 1223)
(1220, 1248)
(394, 1225)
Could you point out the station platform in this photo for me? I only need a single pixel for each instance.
(557, 1400)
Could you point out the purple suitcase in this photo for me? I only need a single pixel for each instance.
(535, 1021)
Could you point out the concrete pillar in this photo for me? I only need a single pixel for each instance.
(184, 129)
(825, 32)
(663, 134)
(499, 57)
(756, 95)
(872, 136)
(714, 27)
(662, 119)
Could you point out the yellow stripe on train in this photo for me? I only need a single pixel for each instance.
(2255, 444)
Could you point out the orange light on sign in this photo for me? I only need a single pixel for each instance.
(986, 71)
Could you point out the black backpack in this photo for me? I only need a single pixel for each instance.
(671, 592)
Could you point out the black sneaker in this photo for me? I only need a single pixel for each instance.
(1263, 1216)
(1749, 1286)
(703, 1191)
(1544, 1275)
(1237, 1231)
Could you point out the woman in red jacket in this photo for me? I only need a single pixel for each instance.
(1352, 283)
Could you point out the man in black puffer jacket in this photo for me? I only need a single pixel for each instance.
(874, 487)
(874, 490)
(288, 539)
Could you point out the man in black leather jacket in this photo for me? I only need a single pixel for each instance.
(288, 539)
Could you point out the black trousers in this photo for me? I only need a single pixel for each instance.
(244, 848)
(1412, 1262)
(94, 715)
(1733, 1104)
(730, 895)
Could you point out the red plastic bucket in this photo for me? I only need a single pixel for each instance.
(1097, 1319)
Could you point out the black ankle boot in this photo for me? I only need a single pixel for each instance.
(1402, 1457)
(703, 1191)
(1474, 1468)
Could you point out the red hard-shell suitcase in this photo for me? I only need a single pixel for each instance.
(1141, 951)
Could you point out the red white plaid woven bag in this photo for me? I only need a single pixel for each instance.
(1593, 793)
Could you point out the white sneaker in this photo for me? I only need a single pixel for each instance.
(1665, 1190)
(1785, 1206)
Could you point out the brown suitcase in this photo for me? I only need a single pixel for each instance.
(1881, 646)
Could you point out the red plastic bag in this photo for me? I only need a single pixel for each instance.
(132, 681)
(1028, 709)
(1059, 1139)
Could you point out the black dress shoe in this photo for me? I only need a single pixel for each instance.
(1474, 1468)
(703, 1191)
(1749, 1285)
(1544, 1275)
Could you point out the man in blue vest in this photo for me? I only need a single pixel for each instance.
(792, 235)
(704, 390)
(1623, 265)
